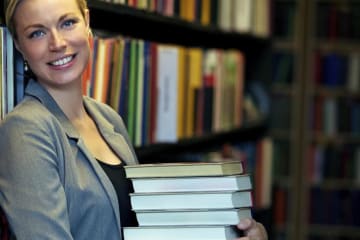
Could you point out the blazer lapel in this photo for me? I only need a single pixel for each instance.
(105, 181)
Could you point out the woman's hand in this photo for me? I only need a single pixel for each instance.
(253, 230)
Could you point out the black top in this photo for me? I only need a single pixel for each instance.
(123, 187)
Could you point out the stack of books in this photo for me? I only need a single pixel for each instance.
(189, 200)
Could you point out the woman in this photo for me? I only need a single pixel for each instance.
(61, 174)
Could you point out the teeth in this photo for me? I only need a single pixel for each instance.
(62, 61)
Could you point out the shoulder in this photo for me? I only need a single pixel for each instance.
(99, 106)
(27, 115)
(105, 111)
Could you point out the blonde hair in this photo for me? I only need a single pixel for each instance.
(10, 8)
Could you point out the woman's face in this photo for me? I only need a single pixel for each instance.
(53, 38)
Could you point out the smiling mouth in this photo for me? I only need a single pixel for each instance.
(62, 61)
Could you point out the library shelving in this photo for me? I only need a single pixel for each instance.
(143, 24)
(160, 28)
(330, 183)
(286, 114)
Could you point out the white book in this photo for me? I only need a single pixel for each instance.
(192, 217)
(191, 200)
(225, 15)
(119, 1)
(242, 15)
(221, 232)
(183, 184)
(261, 18)
(167, 72)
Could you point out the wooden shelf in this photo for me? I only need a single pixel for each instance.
(337, 138)
(337, 45)
(336, 184)
(249, 132)
(283, 89)
(334, 230)
(155, 27)
(284, 44)
(336, 92)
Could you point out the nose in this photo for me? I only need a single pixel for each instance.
(57, 41)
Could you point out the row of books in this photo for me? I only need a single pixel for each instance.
(334, 162)
(337, 70)
(163, 92)
(281, 107)
(283, 18)
(282, 197)
(338, 19)
(245, 16)
(202, 200)
(332, 116)
(334, 207)
(167, 92)
(282, 68)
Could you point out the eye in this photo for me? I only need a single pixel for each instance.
(37, 34)
(69, 23)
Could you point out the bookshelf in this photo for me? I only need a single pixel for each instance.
(175, 30)
(286, 114)
(329, 186)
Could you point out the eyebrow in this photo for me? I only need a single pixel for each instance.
(38, 25)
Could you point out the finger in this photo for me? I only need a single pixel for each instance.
(245, 224)
(257, 231)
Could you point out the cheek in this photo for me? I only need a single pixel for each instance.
(81, 44)
(86, 48)
(79, 39)
(33, 52)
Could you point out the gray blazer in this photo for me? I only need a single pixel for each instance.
(51, 187)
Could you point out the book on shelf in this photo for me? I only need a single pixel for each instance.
(191, 200)
(230, 216)
(183, 184)
(183, 169)
(167, 89)
(221, 232)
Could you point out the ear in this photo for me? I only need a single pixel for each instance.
(17, 46)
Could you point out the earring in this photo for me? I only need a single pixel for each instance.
(26, 67)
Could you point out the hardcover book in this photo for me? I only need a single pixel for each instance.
(230, 216)
(183, 184)
(220, 232)
(184, 169)
(191, 200)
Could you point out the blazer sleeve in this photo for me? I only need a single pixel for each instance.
(31, 192)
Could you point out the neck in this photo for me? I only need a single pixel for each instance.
(70, 101)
